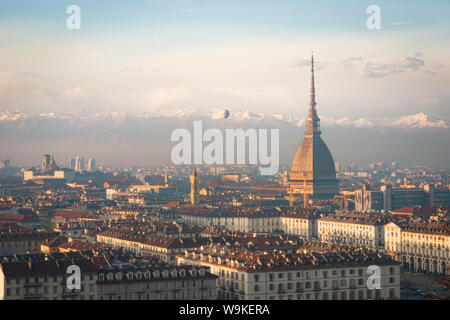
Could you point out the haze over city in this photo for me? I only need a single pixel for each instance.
(223, 158)
(181, 58)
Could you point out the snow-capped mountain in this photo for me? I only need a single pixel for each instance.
(144, 138)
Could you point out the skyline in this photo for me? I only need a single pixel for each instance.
(224, 158)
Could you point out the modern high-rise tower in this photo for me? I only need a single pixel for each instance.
(313, 173)
(48, 163)
(91, 165)
(79, 164)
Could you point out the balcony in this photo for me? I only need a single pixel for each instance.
(71, 293)
(32, 295)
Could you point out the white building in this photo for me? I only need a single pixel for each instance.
(419, 247)
(301, 276)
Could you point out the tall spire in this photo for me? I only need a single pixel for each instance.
(312, 121)
(312, 102)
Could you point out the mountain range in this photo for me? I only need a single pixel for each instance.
(127, 139)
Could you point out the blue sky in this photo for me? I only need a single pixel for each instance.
(244, 55)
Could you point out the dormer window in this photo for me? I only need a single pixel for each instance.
(165, 273)
(174, 273)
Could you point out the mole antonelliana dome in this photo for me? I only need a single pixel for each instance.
(313, 170)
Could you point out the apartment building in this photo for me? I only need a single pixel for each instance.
(338, 275)
(302, 224)
(156, 282)
(20, 240)
(163, 247)
(390, 198)
(365, 230)
(240, 220)
(44, 277)
(419, 247)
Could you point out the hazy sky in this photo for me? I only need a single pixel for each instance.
(158, 56)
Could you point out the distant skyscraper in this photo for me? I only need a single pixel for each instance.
(71, 163)
(48, 163)
(313, 172)
(4, 164)
(79, 164)
(45, 162)
(91, 165)
(337, 166)
(194, 188)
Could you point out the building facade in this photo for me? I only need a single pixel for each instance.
(299, 276)
(420, 248)
(160, 282)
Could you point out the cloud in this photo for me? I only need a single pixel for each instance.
(369, 69)
(220, 114)
(301, 63)
(74, 92)
(248, 115)
(419, 120)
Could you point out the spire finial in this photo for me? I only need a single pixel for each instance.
(313, 89)
(312, 125)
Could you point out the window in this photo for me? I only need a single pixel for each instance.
(392, 293)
